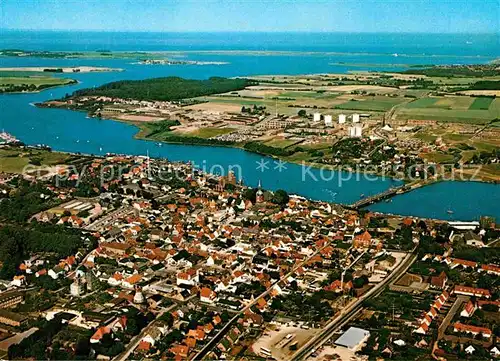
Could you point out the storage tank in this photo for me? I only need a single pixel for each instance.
(328, 120)
(355, 131)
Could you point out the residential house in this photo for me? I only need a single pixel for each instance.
(207, 295)
(471, 291)
(439, 282)
(468, 310)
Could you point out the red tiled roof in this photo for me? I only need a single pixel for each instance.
(473, 329)
(475, 291)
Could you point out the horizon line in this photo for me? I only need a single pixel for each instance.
(252, 31)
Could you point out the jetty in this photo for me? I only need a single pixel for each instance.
(6, 138)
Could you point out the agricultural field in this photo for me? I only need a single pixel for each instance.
(452, 109)
(482, 103)
(371, 103)
(422, 103)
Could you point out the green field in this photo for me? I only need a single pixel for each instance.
(481, 104)
(308, 94)
(281, 143)
(437, 157)
(35, 80)
(207, 132)
(31, 83)
(422, 103)
(378, 103)
(430, 138)
(14, 160)
(456, 137)
(450, 109)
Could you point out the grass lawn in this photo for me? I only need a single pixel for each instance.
(485, 146)
(426, 137)
(298, 157)
(35, 80)
(456, 137)
(17, 74)
(467, 155)
(281, 143)
(437, 157)
(318, 146)
(208, 132)
(14, 160)
(481, 104)
(15, 83)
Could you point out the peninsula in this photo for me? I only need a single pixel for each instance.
(398, 124)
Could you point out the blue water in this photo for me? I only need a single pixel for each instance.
(71, 131)
(462, 198)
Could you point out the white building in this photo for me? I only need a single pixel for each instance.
(316, 117)
(138, 297)
(353, 338)
(328, 120)
(76, 288)
(355, 131)
(342, 118)
(355, 118)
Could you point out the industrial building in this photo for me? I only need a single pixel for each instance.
(353, 338)
(316, 117)
(342, 118)
(355, 118)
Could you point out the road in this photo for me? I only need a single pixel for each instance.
(348, 313)
(215, 340)
(104, 221)
(451, 313)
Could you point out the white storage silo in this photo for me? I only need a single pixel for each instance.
(328, 120)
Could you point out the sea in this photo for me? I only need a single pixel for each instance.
(245, 54)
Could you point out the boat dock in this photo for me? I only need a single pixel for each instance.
(7, 138)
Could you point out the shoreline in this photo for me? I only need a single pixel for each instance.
(41, 90)
(344, 205)
(405, 181)
(65, 70)
(142, 135)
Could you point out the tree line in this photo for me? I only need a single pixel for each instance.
(165, 89)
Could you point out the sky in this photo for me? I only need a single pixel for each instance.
(426, 16)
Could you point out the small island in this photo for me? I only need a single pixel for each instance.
(54, 69)
(26, 82)
(179, 62)
(34, 79)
